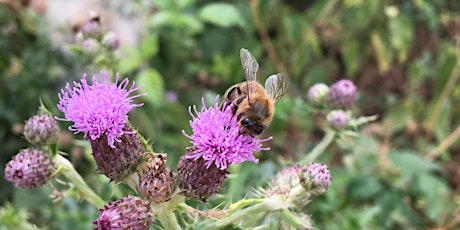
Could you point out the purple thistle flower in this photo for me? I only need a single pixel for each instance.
(98, 109)
(129, 212)
(216, 138)
(316, 178)
(342, 94)
(30, 168)
(338, 119)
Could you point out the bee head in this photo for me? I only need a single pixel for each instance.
(252, 126)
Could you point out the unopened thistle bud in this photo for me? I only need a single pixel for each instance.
(284, 181)
(90, 46)
(111, 41)
(41, 129)
(130, 212)
(93, 27)
(338, 119)
(342, 94)
(196, 180)
(30, 168)
(315, 178)
(157, 181)
(317, 93)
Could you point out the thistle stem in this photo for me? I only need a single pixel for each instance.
(168, 219)
(237, 216)
(322, 145)
(265, 205)
(67, 169)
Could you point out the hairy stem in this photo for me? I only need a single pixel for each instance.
(70, 173)
(444, 145)
(315, 152)
(165, 212)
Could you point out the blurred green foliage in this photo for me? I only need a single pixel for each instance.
(402, 173)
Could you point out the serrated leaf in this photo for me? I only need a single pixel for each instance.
(435, 195)
(410, 163)
(221, 14)
(153, 86)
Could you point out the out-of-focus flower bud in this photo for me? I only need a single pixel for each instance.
(317, 93)
(156, 182)
(41, 129)
(129, 212)
(342, 94)
(90, 46)
(111, 41)
(91, 29)
(30, 168)
(338, 119)
(315, 178)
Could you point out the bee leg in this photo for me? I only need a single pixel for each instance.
(238, 118)
(240, 100)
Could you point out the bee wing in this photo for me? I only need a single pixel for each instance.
(250, 68)
(276, 86)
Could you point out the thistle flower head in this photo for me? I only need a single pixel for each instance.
(30, 168)
(122, 159)
(216, 138)
(130, 212)
(338, 119)
(284, 181)
(111, 40)
(316, 178)
(342, 94)
(196, 180)
(98, 109)
(90, 46)
(41, 129)
(317, 93)
(157, 181)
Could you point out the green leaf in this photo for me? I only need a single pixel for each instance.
(153, 86)
(177, 20)
(401, 35)
(296, 220)
(150, 45)
(131, 60)
(352, 54)
(435, 195)
(410, 163)
(382, 52)
(221, 14)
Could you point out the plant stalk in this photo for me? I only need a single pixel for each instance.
(70, 173)
(322, 145)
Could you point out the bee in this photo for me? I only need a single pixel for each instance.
(254, 104)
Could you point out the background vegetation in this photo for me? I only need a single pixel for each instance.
(402, 172)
